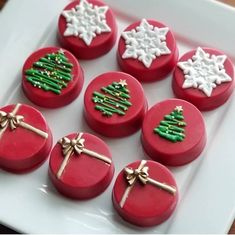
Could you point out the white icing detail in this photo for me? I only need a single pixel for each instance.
(123, 83)
(179, 108)
(61, 51)
(86, 21)
(204, 71)
(145, 43)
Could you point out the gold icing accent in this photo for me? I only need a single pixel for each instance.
(13, 121)
(141, 174)
(76, 146)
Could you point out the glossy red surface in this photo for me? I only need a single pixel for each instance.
(22, 150)
(49, 99)
(165, 151)
(116, 125)
(146, 205)
(159, 68)
(219, 95)
(84, 176)
(100, 45)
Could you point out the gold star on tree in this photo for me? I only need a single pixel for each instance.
(122, 83)
(61, 51)
(179, 109)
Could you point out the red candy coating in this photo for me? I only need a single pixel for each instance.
(100, 45)
(219, 95)
(84, 176)
(21, 149)
(116, 125)
(146, 205)
(160, 67)
(165, 151)
(49, 99)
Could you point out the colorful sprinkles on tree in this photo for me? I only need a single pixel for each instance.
(113, 99)
(51, 72)
(171, 128)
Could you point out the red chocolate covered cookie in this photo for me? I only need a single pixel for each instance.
(87, 28)
(52, 77)
(147, 50)
(173, 132)
(81, 166)
(204, 77)
(145, 193)
(25, 138)
(115, 104)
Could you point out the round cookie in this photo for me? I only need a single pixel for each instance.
(173, 132)
(52, 77)
(80, 166)
(25, 138)
(204, 77)
(87, 28)
(145, 193)
(115, 104)
(147, 50)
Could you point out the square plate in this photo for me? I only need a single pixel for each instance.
(30, 204)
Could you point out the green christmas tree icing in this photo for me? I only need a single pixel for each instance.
(50, 73)
(112, 99)
(171, 128)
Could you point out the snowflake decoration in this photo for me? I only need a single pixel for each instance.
(204, 71)
(145, 43)
(86, 21)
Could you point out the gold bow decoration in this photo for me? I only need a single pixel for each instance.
(132, 175)
(10, 119)
(76, 146)
(141, 174)
(13, 121)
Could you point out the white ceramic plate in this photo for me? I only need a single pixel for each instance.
(30, 204)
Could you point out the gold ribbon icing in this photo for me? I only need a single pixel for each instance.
(10, 119)
(13, 121)
(141, 174)
(76, 146)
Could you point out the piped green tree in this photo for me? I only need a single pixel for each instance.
(112, 99)
(172, 127)
(51, 72)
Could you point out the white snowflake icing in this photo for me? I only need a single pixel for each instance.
(86, 21)
(145, 43)
(204, 71)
